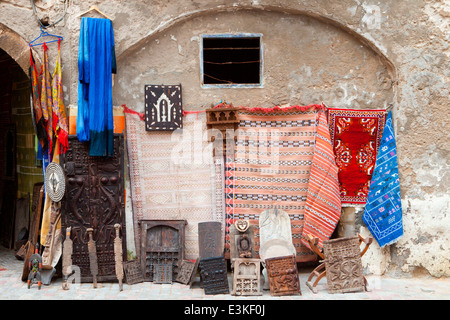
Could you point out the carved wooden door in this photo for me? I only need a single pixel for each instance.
(162, 244)
(94, 198)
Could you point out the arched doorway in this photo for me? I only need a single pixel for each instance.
(19, 169)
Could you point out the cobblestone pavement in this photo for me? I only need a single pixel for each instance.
(381, 288)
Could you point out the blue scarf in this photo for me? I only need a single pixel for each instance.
(383, 211)
(96, 63)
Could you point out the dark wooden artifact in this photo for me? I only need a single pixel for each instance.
(187, 271)
(224, 121)
(35, 266)
(321, 270)
(213, 274)
(133, 272)
(163, 108)
(37, 206)
(246, 277)
(241, 240)
(210, 240)
(283, 276)
(94, 198)
(162, 242)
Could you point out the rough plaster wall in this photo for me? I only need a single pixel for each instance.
(305, 61)
(412, 35)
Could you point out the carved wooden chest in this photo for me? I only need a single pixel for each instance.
(343, 265)
(94, 199)
(213, 273)
(162, 243)
(246, 277)
(283, 276)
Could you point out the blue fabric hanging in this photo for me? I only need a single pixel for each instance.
(96, 63)
(383, 210)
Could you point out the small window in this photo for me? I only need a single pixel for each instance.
(231, 60)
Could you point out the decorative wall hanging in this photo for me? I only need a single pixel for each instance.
(168, 184)
(162, 243)
(210, 239)
(187, 271)
(355, 136)
(94, 199)
(383, 210)
(220, 119)
(163, 108)
(284, 159)
(55, 182)
(213, 273)
(283, 276)
(246, 277)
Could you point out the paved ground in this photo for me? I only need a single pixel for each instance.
(382, 288)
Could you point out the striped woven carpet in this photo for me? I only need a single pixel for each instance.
(284, 159)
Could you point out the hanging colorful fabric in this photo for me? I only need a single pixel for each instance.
(96, 63)
(355, 137)
(39, 120)
(383, 211)
(60, 126)
(46, 101)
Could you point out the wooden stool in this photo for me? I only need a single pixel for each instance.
(320, 271)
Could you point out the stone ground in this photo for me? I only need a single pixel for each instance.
(381, 288)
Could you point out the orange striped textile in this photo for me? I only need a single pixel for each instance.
(284, 159)
(323, 203)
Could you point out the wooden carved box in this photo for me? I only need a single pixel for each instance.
(213, 273)
(283, 276)
(94, 198)
(343, 265)
(246, 277)
(162, 244)
(163, 108)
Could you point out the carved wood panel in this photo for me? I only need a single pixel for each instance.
(246, 277)
(343, 265)
(162, 242)
(187, 272)
(210, 240)
(213, 273)
(283, 276)
(163, 108)
(94, 199)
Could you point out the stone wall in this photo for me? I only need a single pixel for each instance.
(345, 53)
